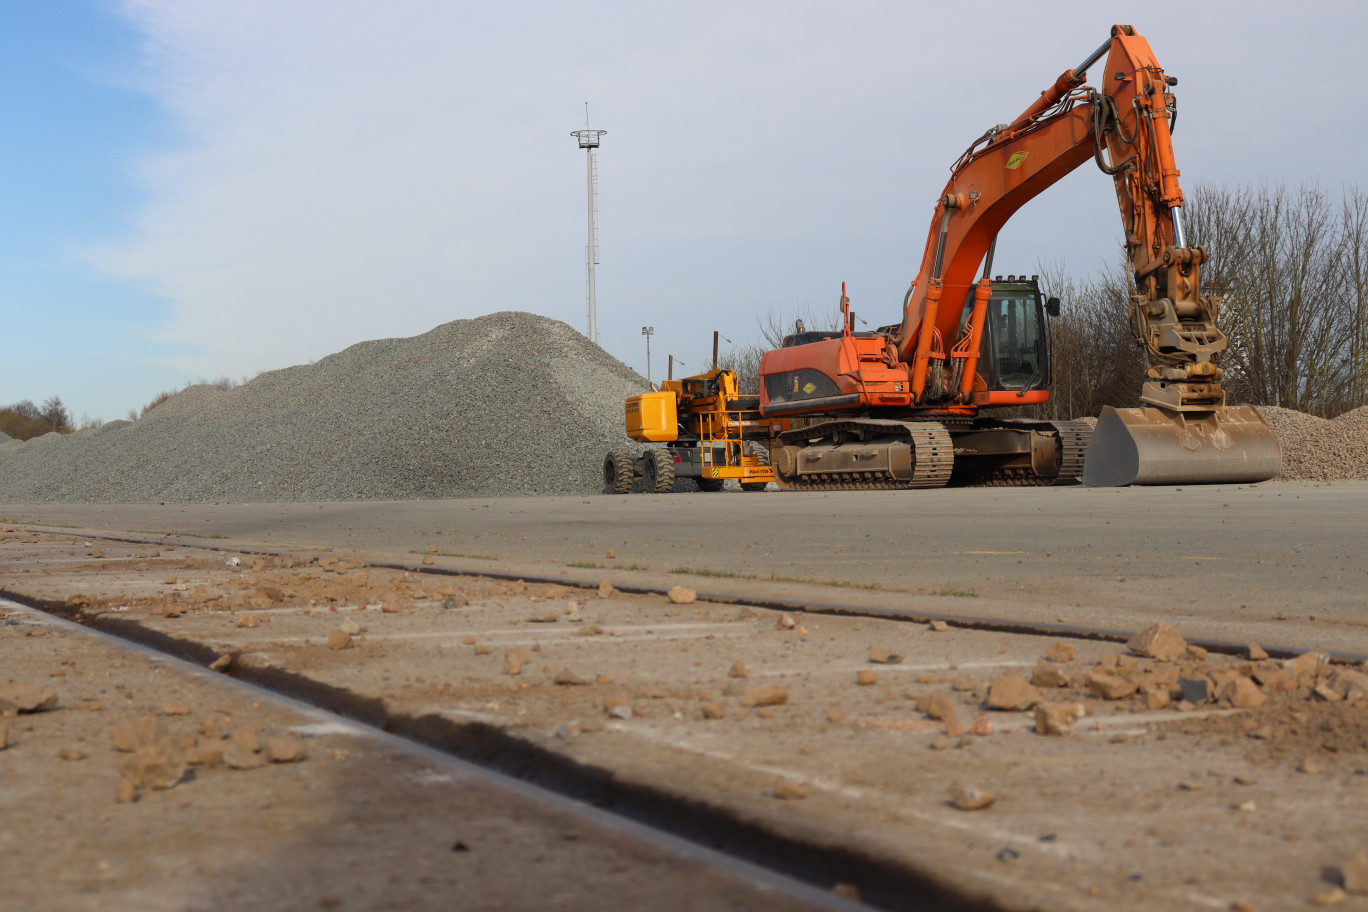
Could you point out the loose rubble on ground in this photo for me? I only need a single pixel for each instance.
(507, 404)
(1065, 766)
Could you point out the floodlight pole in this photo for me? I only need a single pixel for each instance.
(589, 141)
(648, 331)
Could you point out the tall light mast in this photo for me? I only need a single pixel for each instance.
(589, 141)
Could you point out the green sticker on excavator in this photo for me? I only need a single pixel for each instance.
(810, 388)
(1015, 161)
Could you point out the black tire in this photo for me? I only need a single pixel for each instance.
(618, 473)
(710, 484)
(758, 450)
(658, 472)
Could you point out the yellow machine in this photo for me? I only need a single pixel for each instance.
(711, 433)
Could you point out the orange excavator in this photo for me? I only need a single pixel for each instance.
(904, 407)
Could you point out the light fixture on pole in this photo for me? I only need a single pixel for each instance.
(648, 331)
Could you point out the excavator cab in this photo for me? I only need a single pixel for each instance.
(1015, 354)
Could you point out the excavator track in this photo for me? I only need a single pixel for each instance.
(930, 442)
(1073, 441)
(1074, 437)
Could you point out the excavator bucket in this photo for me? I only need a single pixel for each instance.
(1152, 446)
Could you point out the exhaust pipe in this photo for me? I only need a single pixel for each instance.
(1152, 446)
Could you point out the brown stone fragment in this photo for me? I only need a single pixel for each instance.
(126, 792)
(70, 753)
(221, 664)
(1308, 663)
(737, 670)
(1060, 652)
(1332, 897)
(567, 678)
(881, 656)
(429, 560)
(982, 726)
(866, 677)
(391, 607)
(1255, 652)
(835, 715)
(713, 710)
(339, 639)
(4, 736)
(1242, 693)
(26, 698)
(1157, 698)
(789, 790)
(1354, 874)
(210, 754)
(285, 749)
(968, 798)
(158, 763)
(481, 649)
(1327, 693)
(1012, 692)
(175, 709)
(238, 758)
(247, 739)
(1109, 686)
(764, 696)
(939, 626)
(1158, 641)
(1349, 684)
(605, 589)
(1057, 718)
(1047, 674)
(457, 599)
(682, 595)
(514, 660)
(1196, 653)
(247, 620)
(940, 709)
(964, 685)
(129, 736)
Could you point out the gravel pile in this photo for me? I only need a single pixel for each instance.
(1317, 449)
(505, 404)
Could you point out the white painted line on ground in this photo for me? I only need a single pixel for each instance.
(886, 799)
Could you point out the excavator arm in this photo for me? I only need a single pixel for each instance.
(1188, 434)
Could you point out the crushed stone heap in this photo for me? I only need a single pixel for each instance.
(502, 405)
(1319, 449)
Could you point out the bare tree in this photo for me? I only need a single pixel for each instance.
(54, 413)
(1283, 261)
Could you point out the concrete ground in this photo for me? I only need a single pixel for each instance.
(1144, 806)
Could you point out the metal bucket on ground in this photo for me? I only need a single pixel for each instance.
(1152, 446)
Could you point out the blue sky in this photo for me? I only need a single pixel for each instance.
(194, 188)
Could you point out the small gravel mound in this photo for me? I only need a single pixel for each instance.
(502, 405)
(1317, 449)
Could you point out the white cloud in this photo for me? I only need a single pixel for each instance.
(345, 170)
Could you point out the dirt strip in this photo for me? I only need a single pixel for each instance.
(868, 740)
